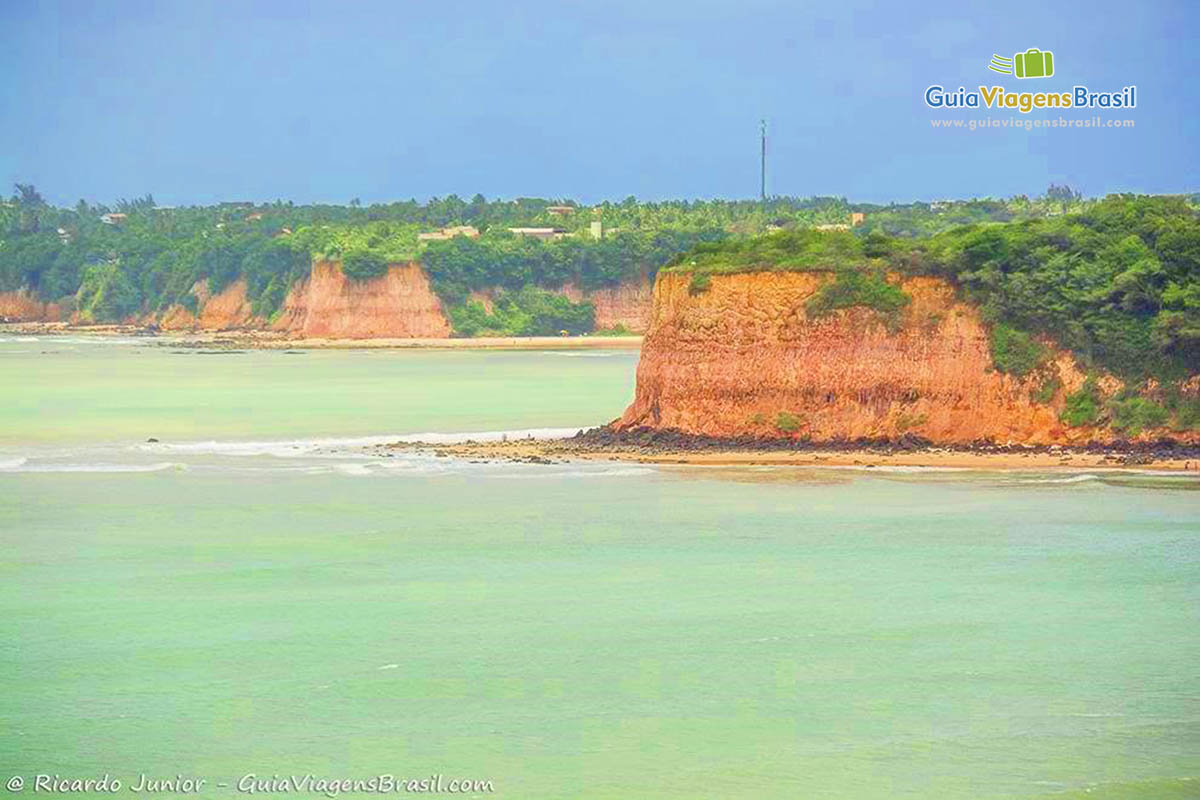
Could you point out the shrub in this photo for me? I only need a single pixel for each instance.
(529, 312)
(1015, 352)
(788, 422)
(1084, 406)
(1187, 415)
(107, 294)
(363, 264)
(616, 330)
(877, 244)
(499, 259)
(1044, 394)
(855, 287)
(1132, 415)
(269, 301)
(270, 271)
(1115, 284)
(701, 283)
(190, 302)
(794, 250)
(472, 319)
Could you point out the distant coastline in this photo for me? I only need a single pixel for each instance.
(268, 340)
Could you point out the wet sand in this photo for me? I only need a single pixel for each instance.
(594, 447)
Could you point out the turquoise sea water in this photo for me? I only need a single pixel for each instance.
(255, 593)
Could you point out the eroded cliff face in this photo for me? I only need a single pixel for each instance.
(327, 304)
(399, 304)
(626, 304)
(24, 306)
(228, 310)
(743, 358)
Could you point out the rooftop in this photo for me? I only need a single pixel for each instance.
(470, 231)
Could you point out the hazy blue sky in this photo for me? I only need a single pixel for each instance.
(201, 101)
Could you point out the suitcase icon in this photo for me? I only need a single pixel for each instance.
(1034, 63)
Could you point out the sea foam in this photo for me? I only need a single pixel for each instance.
(290, 448)
(50, 467)
(1083, 478)
(487, 436)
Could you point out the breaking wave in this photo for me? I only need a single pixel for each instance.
(488, 436)
(1083, 478)
(369, 457)
(94, 467)
(100, 339)
(282, 448)
(287, 448)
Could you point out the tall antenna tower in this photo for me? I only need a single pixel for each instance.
(762, 188)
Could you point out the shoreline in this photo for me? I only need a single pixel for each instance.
(272, 340)
(665, 448)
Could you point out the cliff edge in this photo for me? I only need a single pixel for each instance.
(400, 303)
(327, 304)
(743, 357)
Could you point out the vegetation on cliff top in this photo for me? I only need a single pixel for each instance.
(363, 264)
(1117, 283)
(1115, 280)
(859, 288)
(461, 265)
(858, 280)
(137, 257)
(782, 251)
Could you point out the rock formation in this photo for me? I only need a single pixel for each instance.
(399, 304)
(744, 358)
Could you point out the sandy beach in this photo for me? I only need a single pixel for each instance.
(589, 449)
(268, 340)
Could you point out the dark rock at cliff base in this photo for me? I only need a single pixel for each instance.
(910, 441)
(653, 441)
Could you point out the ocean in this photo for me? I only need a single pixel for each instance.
(257, 594)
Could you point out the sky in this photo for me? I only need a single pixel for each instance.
(199, 102)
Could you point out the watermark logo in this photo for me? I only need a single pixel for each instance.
(1033, 63)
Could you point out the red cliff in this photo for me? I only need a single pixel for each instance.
(228, 310)
(399, 304)
(744, 358)
(24, 306)
(626, 304)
